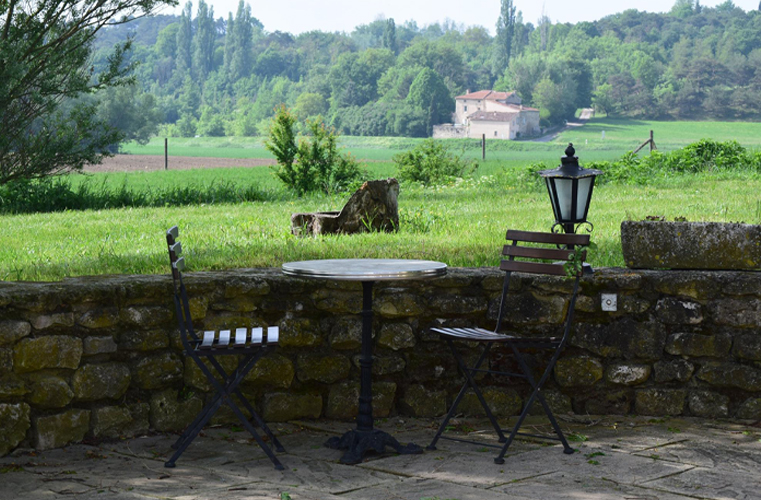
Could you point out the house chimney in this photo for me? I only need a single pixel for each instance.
(467, 91)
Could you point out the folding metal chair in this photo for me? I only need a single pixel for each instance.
(540, 248)
(248, 343)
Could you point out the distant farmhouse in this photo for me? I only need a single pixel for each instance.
(498, 115)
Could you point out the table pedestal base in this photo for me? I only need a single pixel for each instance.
(357, 443)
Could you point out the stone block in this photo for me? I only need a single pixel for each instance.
(530, 308)
(676, 369)
(156, 372)
(55, 351)
(14, 422)
(92, 346)
(383, 365)
(144, 340)
(399, 305)
(239, 286)
(674, 311)
(457, 304)
(12, 386)
(695, 285)
(6, 361)
(44, 321)
(272, 371)
(101, 381)
(708, 404)
(343, 400)
(741, 313)
(696, 345)
(55, 431)
(323, 368)
(580, 371)
(111, 422)
(690, 245)
(659, 402)
(146, 316)
(418, 401)
(503, 402)
(647, 342)
(558, 402)
(346, 334)
(299, 333)
(282, 407)
(94, 319)
(750, 409)
(396, 336)
(237, 304)
(193, 376)
(627, 374)
(748, 346)
(49, 391)
(434, 362)
(170, 412)
(734, 375)
(11, 331)
(610, 403)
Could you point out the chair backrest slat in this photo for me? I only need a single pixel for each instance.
(537, 253)
(532, 267)
(549, 238)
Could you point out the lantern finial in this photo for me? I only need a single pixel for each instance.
(569, 151)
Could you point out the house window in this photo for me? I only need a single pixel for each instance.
(465, 108)
(495, 133)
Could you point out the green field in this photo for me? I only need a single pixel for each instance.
(462, 224)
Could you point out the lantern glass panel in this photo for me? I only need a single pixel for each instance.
(583, 197)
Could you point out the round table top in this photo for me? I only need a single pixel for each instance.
(366, 269)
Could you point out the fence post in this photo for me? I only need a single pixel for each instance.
(652, 142)
(483, 146)
(166, 153)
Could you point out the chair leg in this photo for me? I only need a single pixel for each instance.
(259, 421)
(535, 394)
(224, 395)
(469, 382)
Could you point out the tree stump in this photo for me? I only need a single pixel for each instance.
(373, 207)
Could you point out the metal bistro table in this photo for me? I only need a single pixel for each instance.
(365, 438)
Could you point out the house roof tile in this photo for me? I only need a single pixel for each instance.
(489, 95)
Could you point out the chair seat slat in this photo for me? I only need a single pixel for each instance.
(256, 335)
(208, 339)
(240, 337)
(224, 338)
(273, 334)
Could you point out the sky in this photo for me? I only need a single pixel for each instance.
(297, 16)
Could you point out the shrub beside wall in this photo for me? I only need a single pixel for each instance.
(101, 357)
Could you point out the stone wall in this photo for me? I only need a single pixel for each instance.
(101, 357)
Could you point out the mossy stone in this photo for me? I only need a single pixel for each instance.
(11, 331)
(698, 345)
(580, 371)
(418, 401)
(12, 386)
(50, 392)
(675, 369)
(397, 336)
(299, 333)
(100, 381)
(170, 413)
(343, 400)
(502, 402)
(323, 368)
(92, 346)
(627, 374)
(272, 371)
(346, 334)
(399, 305)
(283, 407)
(55, 351)
(659, 402)
(111, 421)
(750, 409)
(734, 375)
(55, 431)
(708, 404)
(14, 423)
(144, 340)
(156, 372)
(94, 319)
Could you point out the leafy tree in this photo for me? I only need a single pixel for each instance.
(389, 37)
(45, 52)
(203, 42)
(314, 163)
(430, 94)
(184, 59)
(503, 42)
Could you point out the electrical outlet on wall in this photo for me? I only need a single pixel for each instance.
(609, 302)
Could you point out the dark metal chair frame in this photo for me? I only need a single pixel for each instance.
(551, 259)
(250, 344)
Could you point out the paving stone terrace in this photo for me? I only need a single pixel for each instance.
(95, 358)
(617, 458)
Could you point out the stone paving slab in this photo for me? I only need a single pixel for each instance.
(616, 459)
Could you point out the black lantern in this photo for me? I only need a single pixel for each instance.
(570, 187)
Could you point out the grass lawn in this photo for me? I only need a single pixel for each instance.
(461, 225)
